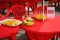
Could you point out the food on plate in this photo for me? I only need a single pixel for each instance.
(29, 21)
(11, 22)
(40, 17)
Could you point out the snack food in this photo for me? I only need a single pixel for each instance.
(11, 22)
(29, 21)
(40, 17)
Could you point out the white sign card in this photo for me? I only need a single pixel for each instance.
(50, 12)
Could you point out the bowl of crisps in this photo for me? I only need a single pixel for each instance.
(41, 16)
(29, 21)
(11, 22)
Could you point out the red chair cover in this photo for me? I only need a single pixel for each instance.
(20, 2)
(52, 1)
(2, 17)
(40, 9)
(18, 11)
(38, 0)
(0, 14)
(31, 5)
(58, 3)
(4, 5)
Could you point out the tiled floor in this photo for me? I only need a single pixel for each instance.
(21, 35)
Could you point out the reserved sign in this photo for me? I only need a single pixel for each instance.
(50, 12)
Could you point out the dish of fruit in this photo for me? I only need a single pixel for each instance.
(11, 22)
(29, 21)
(41, 16)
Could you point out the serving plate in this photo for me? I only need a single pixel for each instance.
(11, 22)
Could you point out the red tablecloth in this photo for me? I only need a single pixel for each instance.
(8, 32)
(43, 30)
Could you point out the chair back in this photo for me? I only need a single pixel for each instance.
(18, 11)
(52, 1)
(40, 10)
(4, 5)
(38, 0)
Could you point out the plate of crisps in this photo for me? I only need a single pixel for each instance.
(39, 16)
(11, 22)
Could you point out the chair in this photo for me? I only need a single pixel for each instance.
(40, 9)
(51, 2)
(1, 16)
(18, 2)
(18, 11)
(31, 4)
(4, 4)
(58, 1)
(3, 7)
(39, 1)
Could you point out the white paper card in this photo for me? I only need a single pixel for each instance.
(50, 12)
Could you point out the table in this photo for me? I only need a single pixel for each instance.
(9, 32)
(43, 30)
